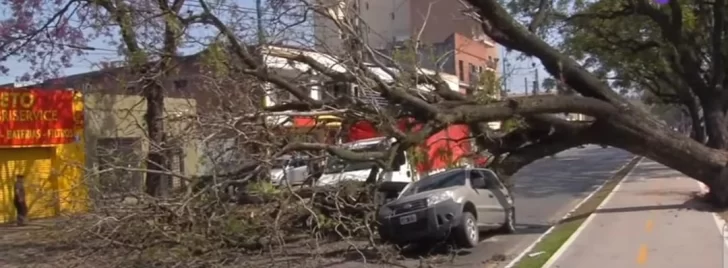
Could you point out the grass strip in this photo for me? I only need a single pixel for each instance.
(567, 226)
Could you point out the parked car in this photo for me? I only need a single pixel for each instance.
(288, 169)
(459, 202)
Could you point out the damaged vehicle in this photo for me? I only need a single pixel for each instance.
(457, 203)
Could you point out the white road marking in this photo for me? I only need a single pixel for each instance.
(722, 227)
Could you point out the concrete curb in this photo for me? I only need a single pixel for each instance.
(567, 215)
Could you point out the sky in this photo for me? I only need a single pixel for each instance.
(103, 52)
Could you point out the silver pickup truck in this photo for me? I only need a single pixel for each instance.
(459, 202)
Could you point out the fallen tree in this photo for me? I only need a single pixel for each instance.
(200, 222)
(628, 127)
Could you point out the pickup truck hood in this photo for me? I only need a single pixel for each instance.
(422, 195)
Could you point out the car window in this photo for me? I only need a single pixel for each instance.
(338, 165)
(279, 163)
(437, 181)
(476, 174)
(491, 179)
(298, 163)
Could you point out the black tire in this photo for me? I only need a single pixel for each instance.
(467, 234)
(509, 226)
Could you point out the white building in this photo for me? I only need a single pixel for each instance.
(276, 58)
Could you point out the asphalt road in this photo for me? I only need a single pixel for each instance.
(544, 192)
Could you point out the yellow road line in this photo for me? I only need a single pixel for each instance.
(642, 255)
(648, 226)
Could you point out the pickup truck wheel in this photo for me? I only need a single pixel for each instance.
(467, 234)
(509, 226)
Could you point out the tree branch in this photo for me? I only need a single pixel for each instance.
(529, 106)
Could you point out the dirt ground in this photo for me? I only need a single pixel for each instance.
(30, 246)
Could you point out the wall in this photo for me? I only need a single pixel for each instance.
(386, 21)
(120, 117)
(472, 52)
(327, 37)
(199, 77)
(383, 22)
(54, 175)
(69, 163)
(440, 19)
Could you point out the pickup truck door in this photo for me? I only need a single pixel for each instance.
(485, 201)
(501, 194)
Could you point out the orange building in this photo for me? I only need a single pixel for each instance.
(41, 138)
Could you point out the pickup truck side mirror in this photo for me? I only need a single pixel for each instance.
(478, 183)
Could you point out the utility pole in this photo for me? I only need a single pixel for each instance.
(504, 74)
(536, 87)
(259, 20)
(525, 83)
(354, 41)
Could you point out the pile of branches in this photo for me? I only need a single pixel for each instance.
(209, 229)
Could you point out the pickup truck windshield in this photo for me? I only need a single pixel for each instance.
(440, 180)
(335, 164)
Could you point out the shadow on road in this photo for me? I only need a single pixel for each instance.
(448, 248)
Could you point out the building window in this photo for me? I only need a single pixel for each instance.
(461, 71)
(120, 159)
(392, 14)
(180, 84)
(281, 96)
(366, 5)
(357, 92)
(472, 68)
(334, 90)
(480, 69)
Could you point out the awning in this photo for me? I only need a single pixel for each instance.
(365, 130)
(313, 121)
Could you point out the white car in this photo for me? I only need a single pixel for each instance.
(288, 170)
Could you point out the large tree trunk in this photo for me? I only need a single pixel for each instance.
(638, 135)
(156, 182)
(673, 150)
(693, 111)
(715, 124)
(629, 128)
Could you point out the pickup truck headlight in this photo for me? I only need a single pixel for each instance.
(439, 197)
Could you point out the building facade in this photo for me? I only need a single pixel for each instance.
(115, 112)
(41, 154)
(384, 22)
(449, 41)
